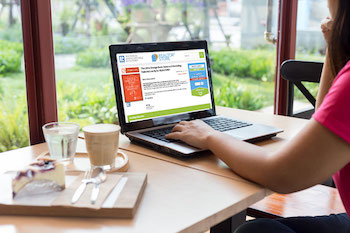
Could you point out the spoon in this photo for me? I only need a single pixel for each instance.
(89, 178)
(100, 178)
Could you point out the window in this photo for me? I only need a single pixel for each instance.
(243, 63)
(13, 103)
(310, 45)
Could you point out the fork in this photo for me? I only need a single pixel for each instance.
(80, 190)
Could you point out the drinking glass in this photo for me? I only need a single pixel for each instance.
(61, 138)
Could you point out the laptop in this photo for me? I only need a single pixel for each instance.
(160, 84)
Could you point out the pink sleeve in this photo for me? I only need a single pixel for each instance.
(334, 112)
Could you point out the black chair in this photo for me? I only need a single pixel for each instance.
(297, 72)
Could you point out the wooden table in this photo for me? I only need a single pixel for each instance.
(209, 163)
(181, 195)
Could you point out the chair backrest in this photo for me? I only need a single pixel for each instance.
(297, 72)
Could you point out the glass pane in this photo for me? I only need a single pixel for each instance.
(243, 63)
(13, 103)
(310, 45)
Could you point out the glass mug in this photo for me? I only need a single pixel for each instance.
(102, 143)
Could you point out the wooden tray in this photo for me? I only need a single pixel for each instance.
(127, 195)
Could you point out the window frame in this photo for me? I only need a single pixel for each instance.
(286, 45)
(39, 66)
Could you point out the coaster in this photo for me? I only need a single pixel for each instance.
(81, 163)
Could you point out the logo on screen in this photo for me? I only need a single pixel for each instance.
(121, 59)
(154, 57)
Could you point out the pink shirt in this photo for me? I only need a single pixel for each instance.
(334, 114)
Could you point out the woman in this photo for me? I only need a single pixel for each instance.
(320, 150)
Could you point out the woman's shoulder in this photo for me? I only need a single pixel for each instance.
(334, 112)
(344, 73)
(341, 83)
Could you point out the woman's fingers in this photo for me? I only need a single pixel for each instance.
(326, 21)
(178, 128)
(194, 133)
(173, 135)
(326, 27)
(176, 132)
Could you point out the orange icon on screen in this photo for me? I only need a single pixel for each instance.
(132, 87)
(132, 70)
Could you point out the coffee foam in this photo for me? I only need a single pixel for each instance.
(101, 128)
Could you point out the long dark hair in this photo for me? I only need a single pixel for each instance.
(339, 46)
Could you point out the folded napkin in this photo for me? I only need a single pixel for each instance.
(65, 198)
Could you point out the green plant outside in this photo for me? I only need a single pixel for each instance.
(85, 99)
(86, 106)
(257, 64)
(12, 33)
(93, 58)
(86, 95)
(69, 44)
(13, 122)
(77, 103)
(234, 95)
(10, 57)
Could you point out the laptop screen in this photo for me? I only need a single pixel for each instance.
(163, 83)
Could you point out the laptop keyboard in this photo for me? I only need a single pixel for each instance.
(160, 134)
(219, 123)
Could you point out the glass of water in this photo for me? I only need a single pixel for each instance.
(61, 139)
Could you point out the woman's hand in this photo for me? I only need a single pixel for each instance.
(326, 27)
(194, 133)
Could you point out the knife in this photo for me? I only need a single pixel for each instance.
(79, 192)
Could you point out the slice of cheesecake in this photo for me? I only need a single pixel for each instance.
(43, 169)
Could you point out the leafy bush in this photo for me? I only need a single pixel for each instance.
(10, 56)
(13, 122)
(257, 64)
(93, 58)
(13, 33)
(75, 103)
(69, 44)
(236, 96)
(84, 106)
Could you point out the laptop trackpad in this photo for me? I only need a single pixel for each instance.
(182, 147)
(252, 132)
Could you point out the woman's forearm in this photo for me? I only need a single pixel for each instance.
(305, 160)
(247, 160)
